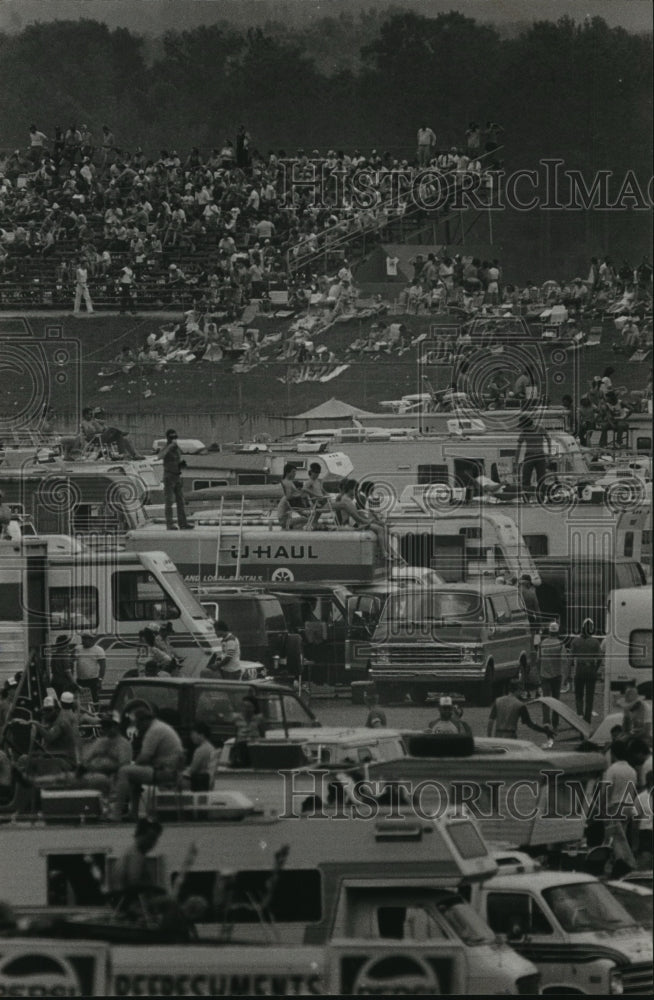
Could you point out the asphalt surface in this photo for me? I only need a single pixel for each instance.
(340, 711)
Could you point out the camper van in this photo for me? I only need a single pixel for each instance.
(113, 595)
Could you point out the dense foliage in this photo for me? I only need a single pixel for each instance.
(581, 91)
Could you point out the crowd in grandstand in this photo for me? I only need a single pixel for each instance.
(218, 225)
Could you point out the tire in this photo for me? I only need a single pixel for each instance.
(487, 689)
(293, 655)
(419, 694)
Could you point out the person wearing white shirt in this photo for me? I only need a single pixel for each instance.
(82, 289)
(90, 665)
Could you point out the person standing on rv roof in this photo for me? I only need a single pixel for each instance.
(173, 464)
(532, 455)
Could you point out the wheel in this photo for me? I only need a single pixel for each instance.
(419, 694)
(487, 689)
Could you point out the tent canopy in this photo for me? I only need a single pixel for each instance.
(333, 409)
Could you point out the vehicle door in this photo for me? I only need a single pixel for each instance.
(522, 918)
(363, 612)
(520, 631)
(501, 634)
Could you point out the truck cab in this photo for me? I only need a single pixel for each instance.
(571, 926)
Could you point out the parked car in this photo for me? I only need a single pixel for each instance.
(181, 701)
(474, 636)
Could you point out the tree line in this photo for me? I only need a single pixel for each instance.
(581, 91)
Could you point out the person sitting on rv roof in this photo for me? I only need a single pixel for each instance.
(508, 711)
(198, 774)
(346, 512)
(56, 739)
(229, 664)
(313, 488)
(102, 759)
(159, 762)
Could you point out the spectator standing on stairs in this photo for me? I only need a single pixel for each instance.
(82, 288)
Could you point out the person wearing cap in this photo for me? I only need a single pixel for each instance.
(551, 655)
(56, 738)
(90, 666)
(102, 759)
(637, 718)
(585, 661)
(508, 711)
(160, 761)
(447, 722)
(173, 463)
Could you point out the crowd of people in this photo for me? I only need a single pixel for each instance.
(80, 213)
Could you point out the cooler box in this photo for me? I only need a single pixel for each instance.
(71, 805)
(202, 805)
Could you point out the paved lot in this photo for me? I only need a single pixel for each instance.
(340, 711)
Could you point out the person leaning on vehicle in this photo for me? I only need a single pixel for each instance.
(508, 711)
(229, 664)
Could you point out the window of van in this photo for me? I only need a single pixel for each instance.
(538, 545)
(207, 484)
(217, 707)
(11, 602)
(628, 575)
(508, 911)
(238, 898)
(640, 649)
(644, 444)
(73, 608)
(137, 596)
(628, 544)
(75, 879)
(518, 613)
(430, 474)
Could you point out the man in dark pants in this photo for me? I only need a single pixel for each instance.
(586, 657)
(532, 455)
(551, 653)
(173, 464)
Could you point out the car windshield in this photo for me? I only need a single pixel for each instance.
(637, 904)
(465, 923)
(285, 708)
(586, 906)
(441, 607)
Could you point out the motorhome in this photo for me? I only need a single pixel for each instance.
(76, 497)
(114, 595)
(216, 551)
(309, 889)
